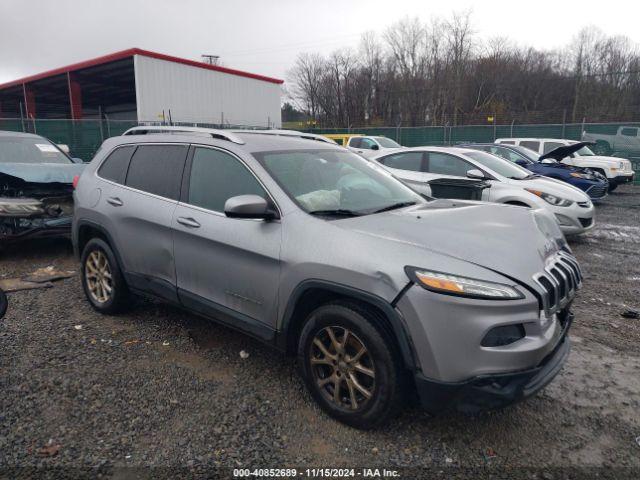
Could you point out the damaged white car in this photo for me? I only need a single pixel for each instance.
(36, 187)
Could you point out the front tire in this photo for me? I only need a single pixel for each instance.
(102, 280)
(348, 365)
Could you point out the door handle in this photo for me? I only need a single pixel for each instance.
(115, 201)
(188, 222)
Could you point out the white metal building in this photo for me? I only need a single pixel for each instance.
(146, 86)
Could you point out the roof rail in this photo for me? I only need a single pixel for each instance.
(212, 132)
(290, 133)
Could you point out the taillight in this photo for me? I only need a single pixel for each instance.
(76, 179)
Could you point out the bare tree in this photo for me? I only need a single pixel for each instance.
(439, 72)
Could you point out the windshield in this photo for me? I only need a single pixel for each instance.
(335, 181)
(499, 165)
(30, 150)
(387, 142)
(527, 153)
(583, 152)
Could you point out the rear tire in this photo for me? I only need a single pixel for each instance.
(102, 278)
(340, 347)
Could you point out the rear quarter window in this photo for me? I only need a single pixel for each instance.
(115, 166)
(157, 169)
(531, 145)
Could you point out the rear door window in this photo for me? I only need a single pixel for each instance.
(531, 145)
(355, 142)
(629, 132)
(216, 177)
(411, 161)
(445, 164)
(115, 166)
(157, 169)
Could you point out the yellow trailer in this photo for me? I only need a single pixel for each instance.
(342, 138)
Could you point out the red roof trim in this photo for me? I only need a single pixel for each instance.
(130, 53)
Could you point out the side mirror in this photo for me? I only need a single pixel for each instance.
(521, 162)
(548, 161)
(77, 160)
(63, 147)
(249, 206)
(375, 147)
(475, 174)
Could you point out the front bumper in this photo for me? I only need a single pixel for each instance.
(34, 228)
(491, 391)
(623, 178)
(575, 219)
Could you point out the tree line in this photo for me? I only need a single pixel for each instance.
(441, 73)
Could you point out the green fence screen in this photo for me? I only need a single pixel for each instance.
(84, 137)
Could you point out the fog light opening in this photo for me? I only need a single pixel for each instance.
(504, 335)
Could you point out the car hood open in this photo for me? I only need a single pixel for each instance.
(510, 240)
(564, 151)
(43, 172)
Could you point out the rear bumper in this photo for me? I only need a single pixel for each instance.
(492, 391)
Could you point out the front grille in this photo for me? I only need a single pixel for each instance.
(586, 222)
(559, 281)
(597, 191)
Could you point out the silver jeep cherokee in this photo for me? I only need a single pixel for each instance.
(380, 293)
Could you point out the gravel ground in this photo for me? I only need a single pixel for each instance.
(160, 387)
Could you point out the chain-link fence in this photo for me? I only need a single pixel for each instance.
(84, 137)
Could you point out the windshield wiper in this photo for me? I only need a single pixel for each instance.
(394, 206)
(337, 212)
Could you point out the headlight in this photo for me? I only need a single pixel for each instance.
(580, 175)
(552, 199)
(461, 286)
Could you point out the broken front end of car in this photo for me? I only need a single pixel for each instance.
(30, 209)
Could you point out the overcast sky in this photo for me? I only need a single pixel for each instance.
(264, 36)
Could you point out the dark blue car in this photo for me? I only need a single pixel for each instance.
(592, 183)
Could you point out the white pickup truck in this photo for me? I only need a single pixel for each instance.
(617, 170)
(625, 141)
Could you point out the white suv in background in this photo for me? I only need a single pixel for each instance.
(617, 170)
(372, 146)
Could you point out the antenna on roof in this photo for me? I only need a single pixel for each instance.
(211, 59)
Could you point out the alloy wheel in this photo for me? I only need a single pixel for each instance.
(342, 368)
(98, 276)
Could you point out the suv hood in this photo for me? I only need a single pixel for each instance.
(42, 172)
(513, 241)
(566, 150)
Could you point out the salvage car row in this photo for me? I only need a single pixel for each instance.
(383, 292)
